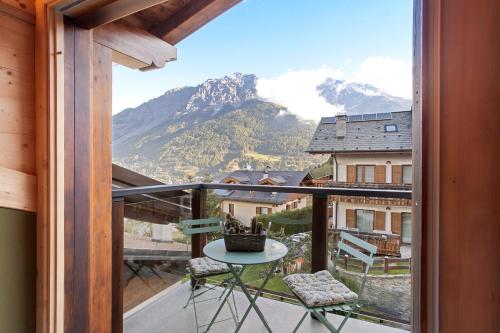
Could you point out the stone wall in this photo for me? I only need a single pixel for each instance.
(386, 294)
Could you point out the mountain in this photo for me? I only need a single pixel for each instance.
(222, 125)
(359, 98)
(215, 127)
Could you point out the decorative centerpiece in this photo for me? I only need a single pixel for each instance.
(239, 238)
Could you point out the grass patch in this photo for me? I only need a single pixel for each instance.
(253, 276)
(262, 157)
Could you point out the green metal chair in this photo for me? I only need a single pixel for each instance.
(202, 268)
(319, 293)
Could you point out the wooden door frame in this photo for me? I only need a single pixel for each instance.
(74, 200)
(51, 163)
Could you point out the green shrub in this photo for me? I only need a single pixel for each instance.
(290, 221)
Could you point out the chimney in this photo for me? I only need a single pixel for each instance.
(341, 125)
(266, 173)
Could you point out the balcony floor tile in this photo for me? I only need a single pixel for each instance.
(165, 314)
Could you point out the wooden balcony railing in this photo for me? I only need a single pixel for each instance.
(387, 244)
(319, 235)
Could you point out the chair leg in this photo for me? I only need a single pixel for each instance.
(236, 308)
(196, 316)
(300, 322)
(345, 320)
(226, 285)
(191, 296)
(325, 321)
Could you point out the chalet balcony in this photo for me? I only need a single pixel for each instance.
(150, 285)
(165, 313)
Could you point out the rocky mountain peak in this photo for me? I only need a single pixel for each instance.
(359, 98)
(231, 89)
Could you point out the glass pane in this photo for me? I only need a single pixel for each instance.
(359, 173)
(369, 174)
(155, 248)
(364, 220)
(407, 174)
(406, 232)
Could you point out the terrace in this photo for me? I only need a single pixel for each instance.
(151, 280)
(165, 312)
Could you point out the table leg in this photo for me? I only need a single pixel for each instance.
(253, 300)
(235, 274)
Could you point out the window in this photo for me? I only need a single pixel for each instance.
(287, 207)
(364, 220)
(365, 173)
(391, 128)
(295, 205)
(263, 210)
(407, 174)
(231, 209)
(406, 226)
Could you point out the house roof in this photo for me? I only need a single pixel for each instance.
(276, 178)
(364, 133)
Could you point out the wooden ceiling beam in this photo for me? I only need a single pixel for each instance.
(182, 15)
(134, 47)
(190, 18)
(113, 11)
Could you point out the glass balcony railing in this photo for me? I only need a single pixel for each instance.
(151, 250)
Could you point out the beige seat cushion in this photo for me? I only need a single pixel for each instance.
(204, 266)
(319, 289)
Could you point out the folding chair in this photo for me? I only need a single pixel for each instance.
(321, 292)
(202, 268)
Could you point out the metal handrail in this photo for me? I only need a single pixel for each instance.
(316, 191)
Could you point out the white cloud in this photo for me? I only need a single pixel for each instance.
(389, 74)
(296, 90)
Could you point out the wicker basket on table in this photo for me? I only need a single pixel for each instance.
(239, 238)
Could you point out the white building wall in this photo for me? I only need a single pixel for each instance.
(371, 159)
(244, 211)
(343, 206)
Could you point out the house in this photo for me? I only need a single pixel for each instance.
(244, 204)
(61, 220)
(369, 150)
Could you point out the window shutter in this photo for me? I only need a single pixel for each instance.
(351, 218)
(397, 174)
(396, 223)
(379, 220)
(257, 210)
(351, 173)
(269, 210)
(380, 174)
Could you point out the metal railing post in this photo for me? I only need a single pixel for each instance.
(319, 235)
(198, 211)
(117, 229)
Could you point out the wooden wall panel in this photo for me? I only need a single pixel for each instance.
(27, 6)
(470, 160)
(351, 173)
(397, 174)
(17, 114)
(17, 190)
(100, 224)
(396, 223)
(379, 220)
(351, 218)
(380, 171)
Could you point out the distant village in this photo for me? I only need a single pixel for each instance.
(370, 150)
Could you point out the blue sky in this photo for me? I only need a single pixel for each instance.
(289, 43)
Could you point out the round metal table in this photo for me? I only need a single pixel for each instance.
(273, 252)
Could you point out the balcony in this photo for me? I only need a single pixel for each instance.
(149, 274)
(165, 313)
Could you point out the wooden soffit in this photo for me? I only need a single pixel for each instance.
(134, 47)
(170, 20)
